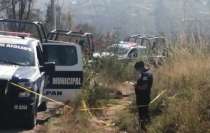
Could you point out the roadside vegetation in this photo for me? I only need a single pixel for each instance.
(101, 78)
(184, 108)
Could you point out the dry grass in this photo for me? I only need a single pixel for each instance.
(76, 121)
(184, 108)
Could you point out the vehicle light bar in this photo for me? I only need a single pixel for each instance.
(20, 34)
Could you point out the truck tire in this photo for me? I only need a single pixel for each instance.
(42, 107)
(133, 54)
(31, 120)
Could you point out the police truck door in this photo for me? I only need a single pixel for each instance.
(65, 83)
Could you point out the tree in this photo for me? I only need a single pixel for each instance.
(4, 4)
(19, 9)
(63, 20)
(49, 17)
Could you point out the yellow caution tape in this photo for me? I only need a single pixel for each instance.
(158, 96)
(107, 108)
(85, 107)
(45, 97)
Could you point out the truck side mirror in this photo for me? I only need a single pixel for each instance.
(48, 67)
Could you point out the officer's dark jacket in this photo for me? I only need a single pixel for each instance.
(143, 87)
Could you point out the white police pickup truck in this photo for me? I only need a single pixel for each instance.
(123, 51)
(26, 62)
(20, 63)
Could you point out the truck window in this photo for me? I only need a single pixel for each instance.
(62, 56)
(17, 54)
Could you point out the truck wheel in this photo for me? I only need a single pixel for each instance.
(42, 107)
(31, 120)
(133, 54)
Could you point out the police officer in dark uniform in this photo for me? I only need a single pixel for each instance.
(142, 90)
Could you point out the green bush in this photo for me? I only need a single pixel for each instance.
(113, 70)
(97, 96)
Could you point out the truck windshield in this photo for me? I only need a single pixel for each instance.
(62, 56)
(16, 54)
(117, 50)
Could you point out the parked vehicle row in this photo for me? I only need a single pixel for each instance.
(136, 46)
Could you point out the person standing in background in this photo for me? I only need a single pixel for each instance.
(143, 90)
